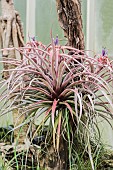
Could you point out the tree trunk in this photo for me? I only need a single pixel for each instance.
(70, 19)
(11, 35)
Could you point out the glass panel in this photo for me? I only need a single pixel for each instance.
(104, 38)
(84, 16)
(104, 25)
(46, 20)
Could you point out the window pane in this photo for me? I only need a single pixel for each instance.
(84, 16)
(20, 6)
(104, 38)
(46, 20)
(104, 25)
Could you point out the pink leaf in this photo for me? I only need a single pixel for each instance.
(47, 112)
(53, 110)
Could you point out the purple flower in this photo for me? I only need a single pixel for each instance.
(104, 51)
(33, 38)
(56, 40)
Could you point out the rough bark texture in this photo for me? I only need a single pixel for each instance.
(11, 32)
(53, 160)
(11, 35)
(69, 15)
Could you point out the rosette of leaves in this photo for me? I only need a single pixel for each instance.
(65, 85)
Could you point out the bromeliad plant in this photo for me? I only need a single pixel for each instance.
(65, 85)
